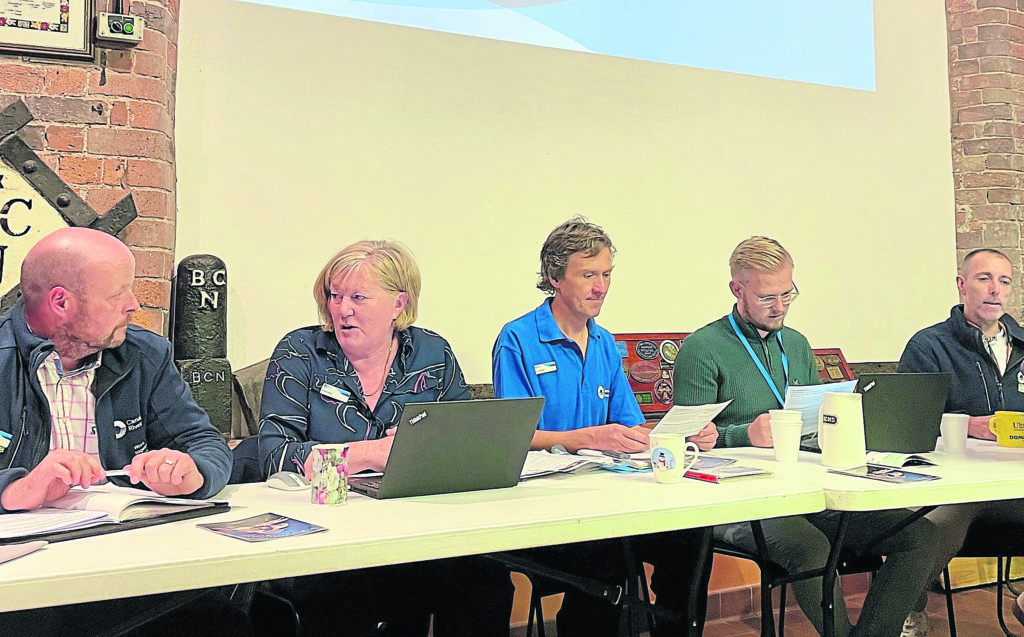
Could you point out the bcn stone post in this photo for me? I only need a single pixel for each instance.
(200, 335)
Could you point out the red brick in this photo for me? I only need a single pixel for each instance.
(102, 199)
(982, 49)
(1001, 96)
(119, 114)
(1016, 18)
(998, 129)
(1006, 195)
(150, 64)
(149, 233)
(67, 138)
(965, 131)
(153, 292)
(51, 160)
(970, 34)
(126, 85)
(955, 37)
(153, 319)
(1001, 234)
(153, 263)
(119, 60)
(129, 143)
(78, 169)
(1004, 162)
(988, 145)
(987, 80)
(968, 241)
(21, 79)
(972, 164)
(965, 67)
(1006, 4)
(150, 173)
(67, 110)
(65, 81)
(970, 197)
(994, 211)
(113, 171)
(955, 6)
(35, 136)
(153, 41)
(994, 15)
(149, 115)
(155, 204)
(995, 65)
(959, 99)
(984, 180)
(999, 32)
(172, 56)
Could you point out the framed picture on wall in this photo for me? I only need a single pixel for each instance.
(53, 28)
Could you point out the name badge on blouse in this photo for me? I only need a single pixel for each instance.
(334, 393)
(545, 368)
(5, 439)
(1020, 381)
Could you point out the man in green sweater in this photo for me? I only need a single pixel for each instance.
(749, 356)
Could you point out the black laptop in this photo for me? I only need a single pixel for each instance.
(902, 412)
(455, 446)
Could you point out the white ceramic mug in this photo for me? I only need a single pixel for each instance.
(841, 430)
(669, 457)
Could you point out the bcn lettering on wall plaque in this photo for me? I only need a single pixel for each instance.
(25, 217)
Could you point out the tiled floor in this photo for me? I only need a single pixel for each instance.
(975, 617)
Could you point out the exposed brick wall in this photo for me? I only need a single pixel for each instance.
(107, 128)
(986, 79)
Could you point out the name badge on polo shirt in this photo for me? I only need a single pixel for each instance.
(334, 393)
(545, 368)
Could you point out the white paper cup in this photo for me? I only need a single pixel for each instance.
(786, 432)
(954, 433)
(669, 457)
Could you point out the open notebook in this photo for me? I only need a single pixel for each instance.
(100, 509)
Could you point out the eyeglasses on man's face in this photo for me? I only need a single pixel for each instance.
(786, 298)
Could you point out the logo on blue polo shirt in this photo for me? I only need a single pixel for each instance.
(603, 393)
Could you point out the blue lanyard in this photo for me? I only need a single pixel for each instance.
(760, 365)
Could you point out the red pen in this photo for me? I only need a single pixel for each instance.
(704, 477)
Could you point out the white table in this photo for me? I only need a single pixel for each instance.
(364, 533)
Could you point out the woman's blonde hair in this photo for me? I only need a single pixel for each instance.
(391, 262)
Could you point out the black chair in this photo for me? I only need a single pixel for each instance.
(986, 539)
(245, 465)
(774, 576)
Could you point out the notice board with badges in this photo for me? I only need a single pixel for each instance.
(648, 357)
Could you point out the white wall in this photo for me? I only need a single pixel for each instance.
(299, 133)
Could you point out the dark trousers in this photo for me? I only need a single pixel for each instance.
(674, 555)
(468, 596)
(208, 612)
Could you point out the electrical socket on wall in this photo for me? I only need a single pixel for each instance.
(118, 27)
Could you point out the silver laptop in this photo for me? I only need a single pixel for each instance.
(455, 446)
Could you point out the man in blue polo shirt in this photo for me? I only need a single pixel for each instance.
(557, 351)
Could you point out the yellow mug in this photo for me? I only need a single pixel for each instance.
(1008, 426)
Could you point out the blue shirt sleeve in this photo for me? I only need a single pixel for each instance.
(623, 408)
(508, 371)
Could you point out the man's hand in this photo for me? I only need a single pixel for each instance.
(760, 431)
(616, 437)
(706, 437)
(52, 478)
(166, 471)
(977, 427)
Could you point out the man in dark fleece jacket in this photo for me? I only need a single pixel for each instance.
(85, 392)
(982, 348)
